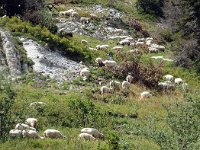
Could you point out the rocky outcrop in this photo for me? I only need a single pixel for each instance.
(11, 54)
(51, 63)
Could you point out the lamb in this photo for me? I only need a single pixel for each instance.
(99, 61)
(84, 42)
(110, 63)
(102, 47)
(178, 80)
(32, 122)
(124, 42)
(118, 48)
(84, 20)
(129, 78)
(145, 94)
(53, 134)
(15, 133)
(115, 84)
(86, 136)
(105, 89)
(92, 131)
(125, 85)
(31, 134)
(168, 77)
(33, 104)
(21, 126)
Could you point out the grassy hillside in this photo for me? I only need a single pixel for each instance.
(167, 120)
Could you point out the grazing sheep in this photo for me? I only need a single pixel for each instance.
(125, 85)
(110, 63)
(102, 47)
(118, 31)
(33, 104)
(124, 42)
(129, 78)
(85, 73)
(145, 94)
(148, 42)
(159, 47)
(21, 126)
(167, 85)
(105, 89)
(129, 38)
(53, 134)
(30, 134)
(93, 17)
(32, 122)
(115, 84)
(84, 20)
(92, 49)
(139, 43)
(86, 136)
(84, 41)
(14, 133)
(133, 44)
(92, 131)
(178, 80)
(168, 77)
(153, 50)
(99, 61)
(118, 48)
(69, 12)
(74, 14)
(141, 40)
(134, 51)
(149, 38)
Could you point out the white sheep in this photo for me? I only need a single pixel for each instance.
(21, 126)
(129, 38)
(92, 49)
(124, 42)
(118, 48)
(168, 77)
(84, 41)
(145, 94)
(105, 89)
(167, 85)
(139, 43)
(153, 50)
(85, 73)
(110, 63)
(53, 134)
(133, 44)
(141, 40)
(129, 78)
(178, 80)
(115, 85)
(86, 136)
(31, 134)
(32, 122)
(134, 51)
(33, 104)
(84, 20)
(74, 14)
(185, 87)
(125, 85)
(99, 61)
(102, 47)
(93, 17)
(118, 31)
(92, 131)
(69, 12)
(15, 133)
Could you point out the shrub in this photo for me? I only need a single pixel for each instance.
(151, 6)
